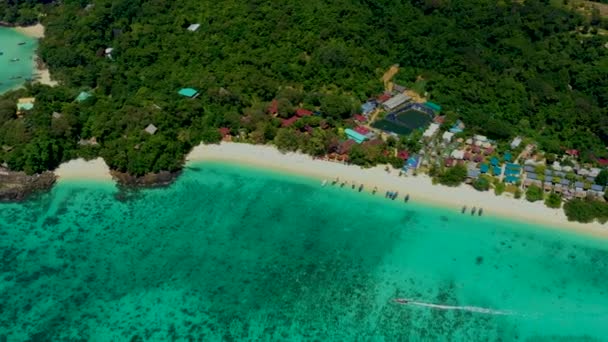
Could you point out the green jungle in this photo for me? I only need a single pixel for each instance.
(505, 68)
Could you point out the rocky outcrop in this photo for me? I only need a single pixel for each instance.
(149, 180)
(17, 186)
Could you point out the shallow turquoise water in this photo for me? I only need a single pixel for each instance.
(9, 46)
(229, 253)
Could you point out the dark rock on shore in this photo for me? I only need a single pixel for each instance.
(17, 186)
(149, 180)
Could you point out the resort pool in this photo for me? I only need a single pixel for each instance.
(403, 122)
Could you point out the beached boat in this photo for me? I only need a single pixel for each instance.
(353, 186)
(395, 195)
(375, 190)
(464, 209)
(473, 211)
(360, 187)
(324, 183)
(480, 212)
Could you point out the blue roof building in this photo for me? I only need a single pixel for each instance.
(484, 168)
(532, 175)
(472, 173)
(494, 161)
(433, 106)
(188, 92)
(596, 187)
(511, 172)
(507, 157)
(497, 170)
(368, 107)
(579, 184)
(565, 182)
(411, 163)
(548, 178)
(356, 136)
(511, 179)
(83, 96)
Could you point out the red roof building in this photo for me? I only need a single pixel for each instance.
(403, 154)
(602, 161)
(224, 131)
(360, 118)
(439, 119)
(489, 150)
(572, 152)
(274, 107)
(346, 146)
(361, 130)
(384, 97)
(290, 121)
(449, 162)
(467, 156)
(303, 112)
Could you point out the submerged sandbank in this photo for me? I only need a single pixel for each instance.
(420, 188)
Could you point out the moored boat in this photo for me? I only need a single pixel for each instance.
(21, 43)
(14, 59)
(473, 211)
(360, 187)
(395, 195)
(324, 183)
(407, 198)
(480, 212)
(375, 190)
(464, 209)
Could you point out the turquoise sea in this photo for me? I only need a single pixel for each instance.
(10, 49)
(231, 253)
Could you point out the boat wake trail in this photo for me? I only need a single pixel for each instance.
(476, 309)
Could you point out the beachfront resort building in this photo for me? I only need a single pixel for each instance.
(368, 107)
(395, 102)
(25, 104)
(431, 131)
(354, 135)
(447, 137)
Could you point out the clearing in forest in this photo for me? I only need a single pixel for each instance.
(388, 76)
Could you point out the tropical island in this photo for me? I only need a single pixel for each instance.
(510, 97)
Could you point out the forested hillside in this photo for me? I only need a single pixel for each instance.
(504, 68)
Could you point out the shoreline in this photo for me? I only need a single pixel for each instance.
(41, 70)
(420, 188)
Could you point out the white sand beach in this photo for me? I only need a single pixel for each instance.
(420, 188)
(34, 31)
(80, 169)
(37, 32)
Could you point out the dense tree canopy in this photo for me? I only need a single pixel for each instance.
(504, 68)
